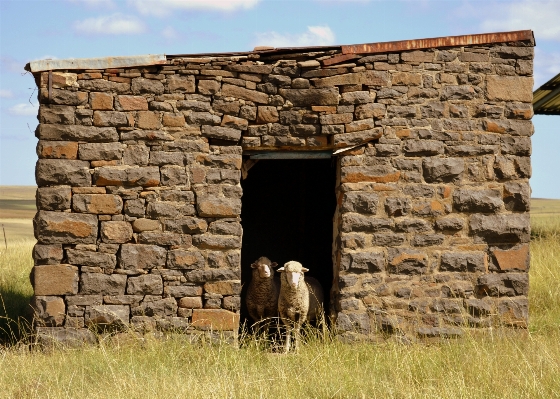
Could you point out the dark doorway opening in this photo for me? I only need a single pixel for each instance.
(287, 214)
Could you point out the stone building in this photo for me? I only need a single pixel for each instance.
(398, 173)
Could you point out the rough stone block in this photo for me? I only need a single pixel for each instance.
(215, 320)
(218, 207)
(473, 200)
(116, 232)
(513, 312)
(307, 97)
(516, 258)
(442, 170)
(464, 262)
(223, 287)
(107, 316)
(363, 262)
(55, 280)
(407, 261)
(146, 86)
(157, 308)
(135, 208)
(373, 110)
(52, 172)
(88, 134)
(127, 176)
(376, 174)
(131, 103)
(110, 119)
(450, 223)
(53, 198)
(357, 97)
(396, 206)
(190, 302)
(93, 259)
(509, 88)
(62, 114)
(181, 84)
(148, 284)
(100, 151)
(353, 222)
(57, 149)
(517, 196)
(105, 204)
(163, 238)
(178, 291)
(65, 228)
(229, 90)
(47, 254)
(67, 337)
(503, 284)
(510, 228)
(423, 147)
(209, 241)
(220, 132)
(141, 256)
(49, 310)
(102, 284)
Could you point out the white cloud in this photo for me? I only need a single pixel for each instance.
(162, 8)
(169, 33)
(546, 66)
(95, 3)
(115, 24)
(314, 36)
(6, 93)
(23, 110)
(540, 16)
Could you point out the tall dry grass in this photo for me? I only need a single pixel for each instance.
(499, 364)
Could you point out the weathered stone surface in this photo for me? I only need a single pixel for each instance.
(52, 172)
(106, 204)
(110, 118)
(423, 147)
(373, 110)
(182, 84)
(135, 208)
(357, 97)
(49, 310)
(53, 198)
(229, 90)
(103, 316)
(363, 262)
(450, 223)
(183, 259)
(147, 176)
(209, 241)
(131, 103)
(474, 200)
(370, 78)
(169, 209)
(464, 262)
(163, 238)
(62, 114)
(501, 228)
(67, 337)
(513, 312)
(57, 149)
(141, 225)
(55, 280)
(100, 151)
(146, 86)
(158, 308)
(251, 68)
(412, 225)
(65, 228)
(104, 85)
(509, 88)
(220, 132)
(189, 302)
(407, 261)
(516, 258)
(116, 232)
(335, 119)
(377, 174)
(202, 276)
(426, 240)
(148, 284)
(179, 291)
(353, 222)
(102, 284)
(64, 97)
(517, 196)
(89, 258)
(353, 322)
(215, 320)
(266, 114)
(47, 254)
(440, 170)
(360, 202)
(189, 225)
(141, 256)
(307, 97)
(397, 206)
(503, 284)
(218, 207)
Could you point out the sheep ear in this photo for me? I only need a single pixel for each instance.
(254, 265)
(303, 269)
(280, 270)
(273, 264)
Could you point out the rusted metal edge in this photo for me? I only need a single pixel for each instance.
(447, 41)
(96, 63)
(337, 59)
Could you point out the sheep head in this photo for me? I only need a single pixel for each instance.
(264, 267)
(293, 273)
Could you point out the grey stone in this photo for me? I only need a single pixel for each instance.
(203, 118)
(419, 191)
(148, 284)
(147, 176)
(53, 198)
(57, 114)
(141, 256)
(196, 106)
(353, 322)
(47, 254)
(110, 118)
(517, 196)
(203, 276)
(360, 202)
(102, 284)
(426, 240)
(501, 228)
(135, 208)
(423, 147)
(353, 222)
(473, 200)
(503, 284)
(100, 151)
(185, 260)
(463, 262)
(387, 239)
(67, 337)
(146, 86)
(363, 262)
(190, 225)
(412, 225)
(223, 133)
(107, 316)
(158, 308)
(307, 97)
(450, 223)
(209, 241)
(52, 172)
(407, 261)
(442, 170)
(396, 206)
(104, 85)
(89, 258)
(181, 291)
(515, 145)
(163, 238)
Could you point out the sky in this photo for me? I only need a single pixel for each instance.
(40, 29)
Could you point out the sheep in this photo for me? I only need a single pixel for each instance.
(262, 293)
(300, 300)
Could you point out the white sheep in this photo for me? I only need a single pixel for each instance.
(300, 300)
(262, 293)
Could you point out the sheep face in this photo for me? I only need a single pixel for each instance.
(292, 273)
(264, 267)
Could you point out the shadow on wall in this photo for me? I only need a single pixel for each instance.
(287, 214)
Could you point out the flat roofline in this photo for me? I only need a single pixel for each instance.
(366, 48)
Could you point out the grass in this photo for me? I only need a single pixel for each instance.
(498, 364)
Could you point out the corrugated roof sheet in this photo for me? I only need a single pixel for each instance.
(546, 99)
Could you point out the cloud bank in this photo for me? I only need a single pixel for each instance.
(161, 8)
(314, 36)
(115, 24)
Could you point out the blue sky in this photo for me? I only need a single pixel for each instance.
(40, 29)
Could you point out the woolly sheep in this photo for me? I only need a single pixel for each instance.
(262, 293)
(300, 299)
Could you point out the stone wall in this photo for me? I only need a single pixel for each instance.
(139, 194)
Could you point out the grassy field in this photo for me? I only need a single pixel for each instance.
(498, 364)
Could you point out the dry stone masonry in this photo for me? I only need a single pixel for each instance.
(139, 196)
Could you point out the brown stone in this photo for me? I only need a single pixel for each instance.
(173, 120)
(131, 103)
(356, 174)
(55, 280)
(509, 88)
(65, 228)
(215, 320)
(208, 87)
(141, 225)
(101, 101)
(50, 310)
(218, 207)
(406, 79)
(336, 119)
(191, 302)
(348, 139)
(370, 78)
(105, 204)
(116, 232)
(324, 108)
(267, 114)
(517, 258)
(57, 149)
(235, 122)
(245, 94)
(223, 287)
(182, 84)
(148, 120)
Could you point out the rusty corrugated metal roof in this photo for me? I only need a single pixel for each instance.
(546, 99)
